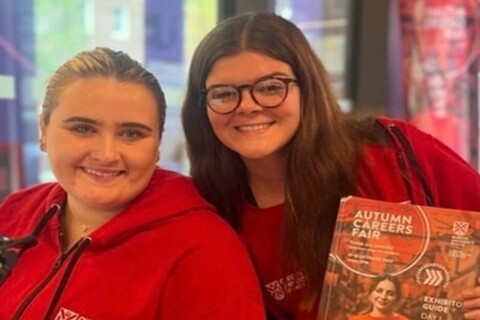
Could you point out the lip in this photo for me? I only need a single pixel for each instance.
(383, 303)
(102, 173)
(254, 127)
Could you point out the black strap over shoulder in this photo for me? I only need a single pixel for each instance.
(399, 139)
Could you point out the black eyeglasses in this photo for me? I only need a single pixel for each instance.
(267, 92)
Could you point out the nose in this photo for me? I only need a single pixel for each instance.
(247, 103)
(105, 149)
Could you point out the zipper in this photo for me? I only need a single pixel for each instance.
(36, 291)
(76, 250)
(408, 164)
(80, 247)
(410, 156)
(54, 208)
(404, 172)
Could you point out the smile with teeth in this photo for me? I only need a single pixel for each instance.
(103, 174)
(383, 303)
(253, 127)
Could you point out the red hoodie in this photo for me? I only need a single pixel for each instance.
(167, 256)
(385, 173)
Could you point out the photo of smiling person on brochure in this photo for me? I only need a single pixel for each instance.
(384, 295)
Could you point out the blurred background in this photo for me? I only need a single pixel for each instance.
(416, 60)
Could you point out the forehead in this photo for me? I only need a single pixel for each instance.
(386, 284)
(106, 97)
(246, 66)
(100, 83)
(99, 89)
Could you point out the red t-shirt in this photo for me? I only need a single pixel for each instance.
(454, 184)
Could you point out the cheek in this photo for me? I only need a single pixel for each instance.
(60, 145)
(143, 155)
(293, 110)
(296, 120)
(212, 118)
(217, 122)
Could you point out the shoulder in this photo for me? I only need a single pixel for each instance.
(32, 196)
(172, 197)
(170, 190)
(165, 180)
(423, 144)
(453, 181)
(360, 317)
(405, 127)
(164, 176)
(20, 210)
(204, 228)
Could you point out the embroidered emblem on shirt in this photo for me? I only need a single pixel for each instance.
(65, 314)
(281, 288)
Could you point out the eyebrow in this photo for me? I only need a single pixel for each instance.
(122, 125)
(136, 125)
(266, 76)
(276, 73)
(79, 119)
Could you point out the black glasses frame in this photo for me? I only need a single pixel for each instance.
(250, 87)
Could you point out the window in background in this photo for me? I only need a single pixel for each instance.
(161, 34)
(17, 69)
(121, 23)
(325, 24)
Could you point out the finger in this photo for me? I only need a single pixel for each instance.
(471, 293)
(472, 315)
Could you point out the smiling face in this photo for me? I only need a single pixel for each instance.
(383, 297)
(252, 131)
(102, 142)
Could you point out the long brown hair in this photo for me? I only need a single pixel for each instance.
(322, 154)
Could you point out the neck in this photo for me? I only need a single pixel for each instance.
(80, 221)
(267, 181)
(378, 314)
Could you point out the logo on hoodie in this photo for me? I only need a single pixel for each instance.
(281, 288)
(65, 314)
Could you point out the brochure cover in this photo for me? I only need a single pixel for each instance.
(399, 261)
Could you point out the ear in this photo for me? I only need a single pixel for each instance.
(42, 135)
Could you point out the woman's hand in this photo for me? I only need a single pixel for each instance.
(471, 303)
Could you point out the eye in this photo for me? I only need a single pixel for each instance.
(82, 129)
(270, 87)
(222, 94)
(132, 134)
